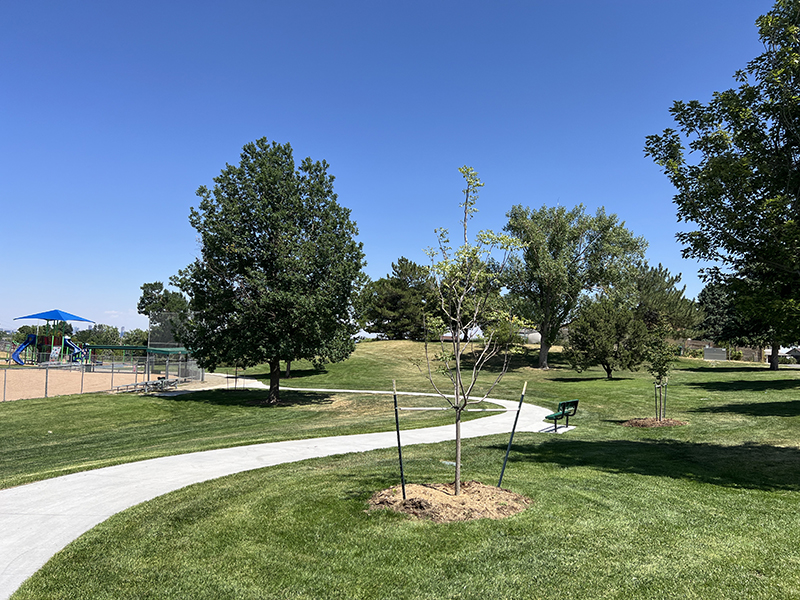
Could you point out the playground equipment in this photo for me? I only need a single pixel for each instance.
(77, 351)
(29, 341)
(55, 349)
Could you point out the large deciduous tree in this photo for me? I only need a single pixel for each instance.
(278, 265)
(567, 255)
(741, 187)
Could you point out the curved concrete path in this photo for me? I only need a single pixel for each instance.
(39, 519)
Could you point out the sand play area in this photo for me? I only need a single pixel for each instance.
(30, 382)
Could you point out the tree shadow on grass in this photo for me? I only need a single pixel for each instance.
(258, 398)
(753, 466)
(746, 385)
(726, 369)
(579, 379)
(790, 408)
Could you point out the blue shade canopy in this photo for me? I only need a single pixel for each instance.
(56, 315)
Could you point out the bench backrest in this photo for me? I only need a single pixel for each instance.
(568, 407)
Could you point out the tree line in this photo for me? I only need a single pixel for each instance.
(279, 276)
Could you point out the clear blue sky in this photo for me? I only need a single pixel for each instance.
(112, 114)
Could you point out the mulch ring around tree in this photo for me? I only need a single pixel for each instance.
(653, 422)
(437, 501)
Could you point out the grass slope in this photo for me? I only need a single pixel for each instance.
(706, 510)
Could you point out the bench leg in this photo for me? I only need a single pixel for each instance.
(567, 420)
(555, 425)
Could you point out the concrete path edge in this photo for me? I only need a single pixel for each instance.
(41, 518)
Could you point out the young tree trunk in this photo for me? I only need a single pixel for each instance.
(658, 407)
(458, 452)
(288, 369)
(274, 380)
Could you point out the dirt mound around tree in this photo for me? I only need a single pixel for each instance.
(438, 502)
(653, 422)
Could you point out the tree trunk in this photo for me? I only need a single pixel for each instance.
(544, 345)
(609, 371)
(458, 452)
(274, 380)
(288, 369)
(544, 349)
(773, 357)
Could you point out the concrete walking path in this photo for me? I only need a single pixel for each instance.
(39, 519)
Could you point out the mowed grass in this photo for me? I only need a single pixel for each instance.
(45, 438)
(710, 509)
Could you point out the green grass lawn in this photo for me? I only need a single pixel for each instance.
(710, 509)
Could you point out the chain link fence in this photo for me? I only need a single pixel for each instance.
(107, 372)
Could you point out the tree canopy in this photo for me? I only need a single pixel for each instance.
(741, 188)
(567, 255)
(632, 323)
(156, 299)
(606, 333)
(278, 265)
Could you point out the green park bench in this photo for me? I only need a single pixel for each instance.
(566, 409)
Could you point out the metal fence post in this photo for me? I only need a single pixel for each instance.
(46, 376)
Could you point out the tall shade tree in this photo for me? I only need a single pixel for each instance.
(465, 287)
(567, 255)
(278, 265)
(723, 323)
(741, 187)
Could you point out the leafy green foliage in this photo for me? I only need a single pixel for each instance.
(46, 329)
(99, 334)
(278, 266)
(606, 333)
(394, 306)
(741, 191)
(567, 255)
(156, 299)
(135, 337)
(661, 303)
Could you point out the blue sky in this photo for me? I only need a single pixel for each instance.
(112, 114)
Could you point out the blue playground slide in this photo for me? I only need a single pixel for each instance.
(76, 350)
(31, 339)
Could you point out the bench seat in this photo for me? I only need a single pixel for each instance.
(566, 409)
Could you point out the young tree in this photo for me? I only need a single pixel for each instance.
(567, 255)
(666, 313)
(394, 305)
(632, 323)
(278, 265)
(608, 333)
(742, 189)
(464, 286)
